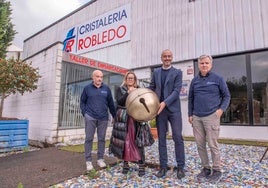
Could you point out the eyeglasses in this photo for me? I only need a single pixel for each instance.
(130, 78)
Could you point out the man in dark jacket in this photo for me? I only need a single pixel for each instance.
(95, 101)
(209, 97)
(166, 83)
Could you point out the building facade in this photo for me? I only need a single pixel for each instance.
(131, 34)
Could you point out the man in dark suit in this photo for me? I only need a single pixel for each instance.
(166, 83)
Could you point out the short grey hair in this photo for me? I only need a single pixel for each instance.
(205, 56)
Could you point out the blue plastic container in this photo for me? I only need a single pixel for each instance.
(13, 135)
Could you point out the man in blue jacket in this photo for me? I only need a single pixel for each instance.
(95, 101)
(166, 83)
(209, 97)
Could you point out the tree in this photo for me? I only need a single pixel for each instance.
(16, 76)
(7, 32)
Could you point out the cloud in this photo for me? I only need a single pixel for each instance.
(31, 16)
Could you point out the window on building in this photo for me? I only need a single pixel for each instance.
(73, 80)
(259, 72)
(247, 79)
(233, 69)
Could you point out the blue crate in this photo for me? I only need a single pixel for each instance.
(13, 135)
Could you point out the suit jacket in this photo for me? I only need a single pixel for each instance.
(172, 88)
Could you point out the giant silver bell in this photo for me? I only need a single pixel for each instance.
(142, 104)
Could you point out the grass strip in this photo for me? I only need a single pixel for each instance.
(80, 148)
(236, 142)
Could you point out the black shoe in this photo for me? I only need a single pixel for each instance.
(141, 169)
(162, 172)
(180, 173)
(125, 168)
(215, 176)
(205, 173)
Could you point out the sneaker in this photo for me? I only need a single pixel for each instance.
(215, 177)
(89, 165)
(205, 173)
(101, 163)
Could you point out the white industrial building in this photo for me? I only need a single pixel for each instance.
(131, 34)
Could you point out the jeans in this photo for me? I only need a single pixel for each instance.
(176, 128)
(206, 130)
(91, 125)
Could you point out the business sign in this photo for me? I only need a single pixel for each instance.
(105, 30)
(76, 59)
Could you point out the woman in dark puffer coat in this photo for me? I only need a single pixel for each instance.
(126, 127)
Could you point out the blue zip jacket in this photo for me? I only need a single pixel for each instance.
(207, 94)
(96, 102)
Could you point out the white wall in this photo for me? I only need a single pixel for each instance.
(244, 133)
(189, 29)
(40, 106)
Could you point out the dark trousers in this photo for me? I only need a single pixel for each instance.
(176, 127)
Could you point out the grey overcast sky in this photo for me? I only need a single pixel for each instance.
(31, 16)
